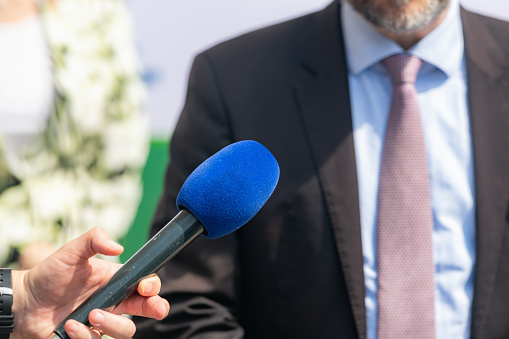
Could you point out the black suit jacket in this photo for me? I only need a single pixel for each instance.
(295, 271)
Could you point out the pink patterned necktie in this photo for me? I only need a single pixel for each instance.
(405, 223)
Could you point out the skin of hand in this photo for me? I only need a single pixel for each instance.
(46, 294)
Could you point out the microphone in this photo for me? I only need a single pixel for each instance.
(218, 197)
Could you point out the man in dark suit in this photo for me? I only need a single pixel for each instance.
(313, 91)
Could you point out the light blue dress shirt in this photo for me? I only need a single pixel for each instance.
(442, 95)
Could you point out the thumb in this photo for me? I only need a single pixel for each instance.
(95, 241)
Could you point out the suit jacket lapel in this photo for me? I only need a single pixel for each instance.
(325, 108)
(488, 87)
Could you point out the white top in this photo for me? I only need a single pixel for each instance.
(26, 84)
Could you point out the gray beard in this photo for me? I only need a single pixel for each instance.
(395, 19)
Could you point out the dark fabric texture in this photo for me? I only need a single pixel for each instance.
(295, 270)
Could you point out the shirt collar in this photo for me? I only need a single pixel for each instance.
(365, 46)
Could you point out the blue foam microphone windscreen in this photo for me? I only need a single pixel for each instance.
(230, 187)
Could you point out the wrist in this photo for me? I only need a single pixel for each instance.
(6, 303)
(18, 304)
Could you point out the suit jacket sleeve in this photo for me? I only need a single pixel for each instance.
(200, 281)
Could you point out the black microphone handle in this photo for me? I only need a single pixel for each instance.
(163, 246)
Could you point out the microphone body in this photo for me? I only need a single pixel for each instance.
(163, 246)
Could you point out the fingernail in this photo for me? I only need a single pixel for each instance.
(98, 319)
(163, 309)
(113, 245)
(147, 288)
(73, 328)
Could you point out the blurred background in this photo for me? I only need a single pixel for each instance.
(169, 34)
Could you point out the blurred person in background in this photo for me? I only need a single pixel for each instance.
(73, 139)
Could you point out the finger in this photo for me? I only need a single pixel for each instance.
(150, 286)
(77, 330)
(95, 241)
(151, 307)
(113, 325)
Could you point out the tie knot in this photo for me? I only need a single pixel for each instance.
(402, 67)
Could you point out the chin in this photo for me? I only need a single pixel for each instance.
(400, 16)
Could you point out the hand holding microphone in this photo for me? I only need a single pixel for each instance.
(221, 195)
(47, 293)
